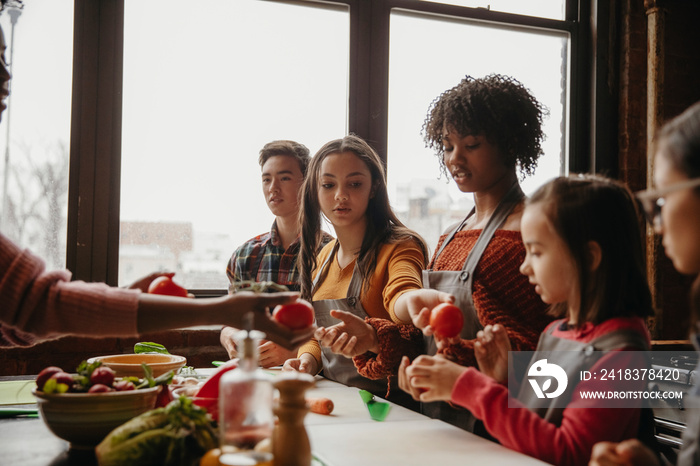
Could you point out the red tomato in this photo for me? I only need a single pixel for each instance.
(446, 320)
(165, 285)
(297, 315)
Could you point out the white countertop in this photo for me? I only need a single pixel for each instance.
(350, 437)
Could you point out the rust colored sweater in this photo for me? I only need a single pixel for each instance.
(501, 294)
(36, 304)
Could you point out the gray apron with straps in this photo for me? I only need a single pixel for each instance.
(336, 366)
(572, 357)
(459, 284)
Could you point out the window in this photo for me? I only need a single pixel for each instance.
(201, 98)
(425, 60)
(174, 100)
(35, 127)
(554, 9)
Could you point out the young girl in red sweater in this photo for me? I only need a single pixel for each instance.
(585, 258)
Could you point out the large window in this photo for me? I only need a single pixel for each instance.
(430, 54)
(201, 98)
(35, 127)
(554, 9)
(174, 100)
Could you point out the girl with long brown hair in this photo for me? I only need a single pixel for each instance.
(373, 261)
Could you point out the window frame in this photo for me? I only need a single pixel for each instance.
(95, 146)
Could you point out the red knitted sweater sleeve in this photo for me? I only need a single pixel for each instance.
(395, 341)
(501, 294)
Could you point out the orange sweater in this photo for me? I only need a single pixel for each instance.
(398, 270)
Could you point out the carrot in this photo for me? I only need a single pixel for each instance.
(320, 405)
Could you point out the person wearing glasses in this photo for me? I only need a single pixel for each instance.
(673, 208)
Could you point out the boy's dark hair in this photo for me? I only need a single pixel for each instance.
(289, 148)
(500, 108)
(584, 208)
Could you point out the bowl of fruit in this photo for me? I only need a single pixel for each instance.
(83, 407)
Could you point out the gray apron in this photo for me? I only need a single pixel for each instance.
(336, 366)
(459, 284)
(572, 357)
(690, 451)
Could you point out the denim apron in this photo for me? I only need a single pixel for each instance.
(336, 366)
(459, 284)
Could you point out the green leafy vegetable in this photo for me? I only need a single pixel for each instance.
(176, 435)
(148, 381)
(149, 347)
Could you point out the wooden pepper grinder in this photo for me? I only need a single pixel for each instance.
(290, 442)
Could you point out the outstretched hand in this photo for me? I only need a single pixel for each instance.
(491, 350)
(352, 337)
(144, 282)
(305, 364)
(416, 305)
(259, 304)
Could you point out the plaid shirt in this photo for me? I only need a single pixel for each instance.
(263, 259)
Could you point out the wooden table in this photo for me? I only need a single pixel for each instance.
(346, 437)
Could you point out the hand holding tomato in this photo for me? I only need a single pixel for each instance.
(144, 282)
(446, 321)
(415, 306)
(491, 351)
(296, 315)
(164, 285)
(235, 308)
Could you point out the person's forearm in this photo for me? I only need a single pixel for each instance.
(157, 313)
(401, 308)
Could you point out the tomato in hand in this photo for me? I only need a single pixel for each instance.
(446, 320)
(166, 286)
(296, 316)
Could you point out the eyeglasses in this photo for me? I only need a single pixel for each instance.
(653, 200)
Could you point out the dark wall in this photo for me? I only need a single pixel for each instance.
(659, 78)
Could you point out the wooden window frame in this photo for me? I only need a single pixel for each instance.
(95, 148)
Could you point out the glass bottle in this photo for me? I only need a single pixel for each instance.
(246, 420)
